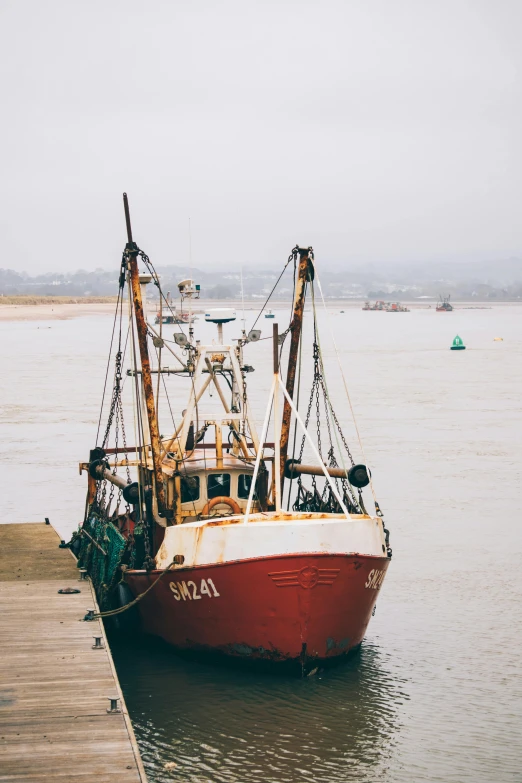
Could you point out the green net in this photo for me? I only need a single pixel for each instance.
(101, 551)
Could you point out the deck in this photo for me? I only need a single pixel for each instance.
(54, 686)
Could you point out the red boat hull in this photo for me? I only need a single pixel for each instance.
(305, 608)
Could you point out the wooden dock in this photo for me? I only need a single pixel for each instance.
(54, 686)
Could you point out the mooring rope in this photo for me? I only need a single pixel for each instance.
(112, 612)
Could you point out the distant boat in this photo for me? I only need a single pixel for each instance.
(387, 307)
(444, 305)
(269, 314)
(176, 318)
(458, 344)
(168, 314)
(395, 307)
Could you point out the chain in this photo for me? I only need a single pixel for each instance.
(245, 403)
(117, 420)
(315, 497)
(115, 417)
(124, 440)
(282, 337)
(332, 461)
(117, 374)
(334, 417)
(148, 561)
(307, 419)
(101, 493)
(318, 422)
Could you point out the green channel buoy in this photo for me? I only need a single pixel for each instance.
(458, 345)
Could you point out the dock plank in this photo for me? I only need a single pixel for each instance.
(54, 687)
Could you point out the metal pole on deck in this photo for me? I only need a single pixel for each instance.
(304, 274)
(131, 251)
(277, 482)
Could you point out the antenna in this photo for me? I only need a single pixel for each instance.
(243, 301)
(191, 328)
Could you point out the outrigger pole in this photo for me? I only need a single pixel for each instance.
(131, 252)
(328, 473)
(305, 274)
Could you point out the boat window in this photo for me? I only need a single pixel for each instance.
(244, 482)
(218, 484)
(189, 489)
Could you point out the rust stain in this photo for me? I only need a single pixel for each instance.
(199, 535)
(223, 522)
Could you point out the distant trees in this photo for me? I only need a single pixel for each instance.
(353, 282)
(80, 283)
(223, 292)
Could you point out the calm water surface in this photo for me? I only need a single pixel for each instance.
(435, 693)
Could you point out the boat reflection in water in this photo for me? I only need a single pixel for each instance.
(221, 724)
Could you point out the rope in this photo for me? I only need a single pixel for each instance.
(112, 612)
(158, 352)
(295, 423)
(139, 437)
(108, 362)
(290, 258)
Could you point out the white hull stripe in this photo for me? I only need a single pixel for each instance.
(207, 544)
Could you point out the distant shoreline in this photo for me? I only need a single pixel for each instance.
(55, 300)
(54, 311)
(58, 309)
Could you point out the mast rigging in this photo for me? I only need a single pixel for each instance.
(132, 251)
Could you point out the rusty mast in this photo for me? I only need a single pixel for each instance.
(305, 273)
(131, 252)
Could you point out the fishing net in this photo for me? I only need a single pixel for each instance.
(101, 552)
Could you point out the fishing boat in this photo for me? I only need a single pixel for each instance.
(395, 307)
(174, 317)
(168, 313)
(269, 314)
(379, 305)
(227, 541)
(444, 305)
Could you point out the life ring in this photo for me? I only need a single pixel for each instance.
(230, 502)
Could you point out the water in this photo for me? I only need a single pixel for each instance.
(435, 693)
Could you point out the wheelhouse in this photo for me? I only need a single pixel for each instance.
(208, 489)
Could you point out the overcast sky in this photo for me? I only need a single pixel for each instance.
(374, 130)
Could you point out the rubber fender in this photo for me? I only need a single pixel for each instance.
(129, 621)
(359, 476)
(123, 594)
(131, 493)
(289, 473)
(93, 468)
